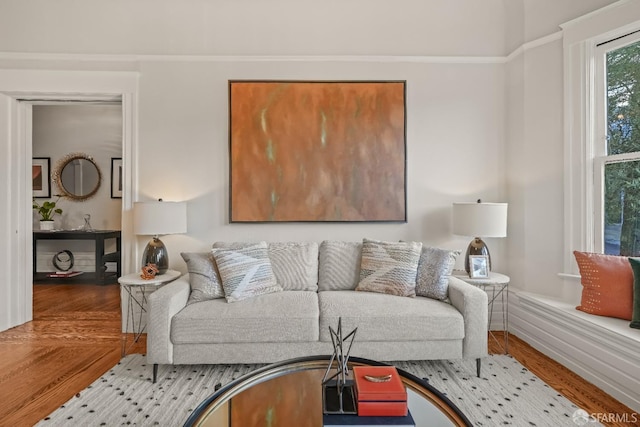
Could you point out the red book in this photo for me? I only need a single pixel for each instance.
(379, 398)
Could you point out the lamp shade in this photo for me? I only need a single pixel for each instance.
(480, 219)
(159, 218)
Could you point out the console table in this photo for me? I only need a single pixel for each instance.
(98, 236)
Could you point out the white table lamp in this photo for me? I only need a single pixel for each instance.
(479, 220)
(158, 218)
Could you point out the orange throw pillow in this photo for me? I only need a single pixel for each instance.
(607, 285)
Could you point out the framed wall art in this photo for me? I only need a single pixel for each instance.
(116, 178)
(41, 177)
(317, 151)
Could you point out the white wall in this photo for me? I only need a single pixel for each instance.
(462, 101)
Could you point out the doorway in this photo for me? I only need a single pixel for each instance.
(77, 146)
(16, 291)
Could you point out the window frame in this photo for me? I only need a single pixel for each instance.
(582, 124)
(600, 157)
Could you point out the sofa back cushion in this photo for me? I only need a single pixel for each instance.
(339, 267)
(295, 265)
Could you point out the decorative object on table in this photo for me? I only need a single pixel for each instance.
(47, 210)
(64, 274)
(338, 393)
(377, 397)
(41, 177)
(63, 260)
(87, 223)
(479, 220)
(286, 134)
(478, 266)
(78, 176)
(149, 271)
(116, 178)
(156, 218)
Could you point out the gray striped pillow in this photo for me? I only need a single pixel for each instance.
(203, 277)
(339, 265)
(295, 265)
(245, 272)
(389, 267)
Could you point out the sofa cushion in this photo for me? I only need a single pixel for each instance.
(607, 285)
(339, 265)
(434, 270)
(389, 267)
(275, 317)
(381, 317)
(203, 276)
(245, 272)
(295, 265)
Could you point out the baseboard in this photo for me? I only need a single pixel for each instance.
(601, 350)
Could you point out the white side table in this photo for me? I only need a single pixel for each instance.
(496, 285)
(133, 285)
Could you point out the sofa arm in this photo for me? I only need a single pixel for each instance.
(472, 303)
(163, 305)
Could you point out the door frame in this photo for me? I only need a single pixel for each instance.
(17, 88)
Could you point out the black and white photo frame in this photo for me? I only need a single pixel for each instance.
(478, 266)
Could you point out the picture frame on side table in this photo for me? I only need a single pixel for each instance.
(41, 177)
(116, 177)
(478, 266)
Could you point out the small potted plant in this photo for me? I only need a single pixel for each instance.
(47, 210)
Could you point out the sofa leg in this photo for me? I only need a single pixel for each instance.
(155, 372)
(478, 363)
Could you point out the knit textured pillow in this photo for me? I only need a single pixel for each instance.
(389, 267)
(635, 316)
(434, 270)
(245, 272)
(203, 277)
(607, 285)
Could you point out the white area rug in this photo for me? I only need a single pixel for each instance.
(506, 394)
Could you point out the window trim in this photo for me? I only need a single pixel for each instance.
(581, 38)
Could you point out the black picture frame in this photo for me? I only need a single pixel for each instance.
(116, 178)
(41, 177)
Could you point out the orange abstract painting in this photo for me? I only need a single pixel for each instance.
(317, 151)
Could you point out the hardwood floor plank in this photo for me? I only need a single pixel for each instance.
(75, 338)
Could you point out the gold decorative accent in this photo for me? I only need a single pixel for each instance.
(378, 378)
(149, 271)
(79, 163)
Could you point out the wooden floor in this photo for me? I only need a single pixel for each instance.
(75, 338)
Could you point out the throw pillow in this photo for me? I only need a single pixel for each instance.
(245, 272)
(295, 265)
(607, 284)
(203, 277)
(389, 267)
(635, 316)
(434, 270)
(339, 268)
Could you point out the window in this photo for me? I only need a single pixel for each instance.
(601, 133)
(617, 147)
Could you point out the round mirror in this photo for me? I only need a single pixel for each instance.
(78, 176)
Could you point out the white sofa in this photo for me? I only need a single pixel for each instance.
(318, 282)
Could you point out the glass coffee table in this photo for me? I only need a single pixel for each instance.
(289, 393)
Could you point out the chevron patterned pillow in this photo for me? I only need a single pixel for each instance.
(245, 272)
(389, 267)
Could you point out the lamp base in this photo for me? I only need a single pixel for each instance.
(476, 247)
(156, 253)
